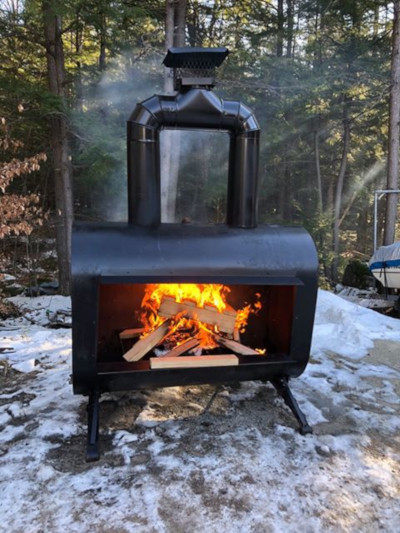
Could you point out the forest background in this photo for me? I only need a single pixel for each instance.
(317, 73)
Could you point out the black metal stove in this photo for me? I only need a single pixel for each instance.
(112, 263)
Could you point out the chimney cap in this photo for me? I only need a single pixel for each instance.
(195, 57)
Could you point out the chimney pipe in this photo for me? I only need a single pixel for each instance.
(193, 107)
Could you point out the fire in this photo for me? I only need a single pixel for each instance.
(203, 296)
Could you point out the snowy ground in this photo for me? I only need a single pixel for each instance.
(205, 458)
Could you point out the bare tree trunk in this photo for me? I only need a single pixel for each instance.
(339, 189)
(381, 222)
(169, 42)
(376, 21)
(102, 55)
(180, 23)
(59, 142)
(103, 41)
(362, 229)
(329, 198)
(290, 27)
(283, 199)
(282, 188)
(318, 26)
(279, 38)
(394, 131)
(175, 21)
(317, 66)
(192, 24)
(318, 170)
(78, 48)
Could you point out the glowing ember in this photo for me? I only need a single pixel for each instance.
(183, 327)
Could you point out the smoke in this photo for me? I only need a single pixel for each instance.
(100, 158)
(198, 175)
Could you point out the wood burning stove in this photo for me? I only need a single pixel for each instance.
(141, 317)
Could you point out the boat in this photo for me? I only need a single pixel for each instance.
(385, 265)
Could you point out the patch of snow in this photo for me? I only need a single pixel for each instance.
(45, 473)
(25, 366)
(36, 309)
(6, 277)
(348, 329)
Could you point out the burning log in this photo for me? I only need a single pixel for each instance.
(130, 333)
(194, 362)
(235, 346)
(225, 320)
(183, 348)
(143, 346)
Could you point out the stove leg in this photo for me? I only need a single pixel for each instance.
(93, 409)
(282, 387)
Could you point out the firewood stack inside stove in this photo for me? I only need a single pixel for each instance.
(190, 336)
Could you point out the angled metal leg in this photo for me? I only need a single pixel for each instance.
(282, 387)
(93, 409)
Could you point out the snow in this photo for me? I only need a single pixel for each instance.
(348, 329)
(37, 310)
(202, 458)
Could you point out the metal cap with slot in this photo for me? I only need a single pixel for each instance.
(194, 66)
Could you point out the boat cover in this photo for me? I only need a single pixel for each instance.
(386, 257)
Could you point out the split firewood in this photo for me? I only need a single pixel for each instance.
(230, 334)
(183, 348)
(235, 346)
(225, 321)
(143, 346)
(130, 333)
(236, 335)
(193, 361)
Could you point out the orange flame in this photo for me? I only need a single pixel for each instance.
(182, 327)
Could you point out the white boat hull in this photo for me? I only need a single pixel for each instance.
(389, 277)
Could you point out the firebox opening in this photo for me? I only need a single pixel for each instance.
(264, 335)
